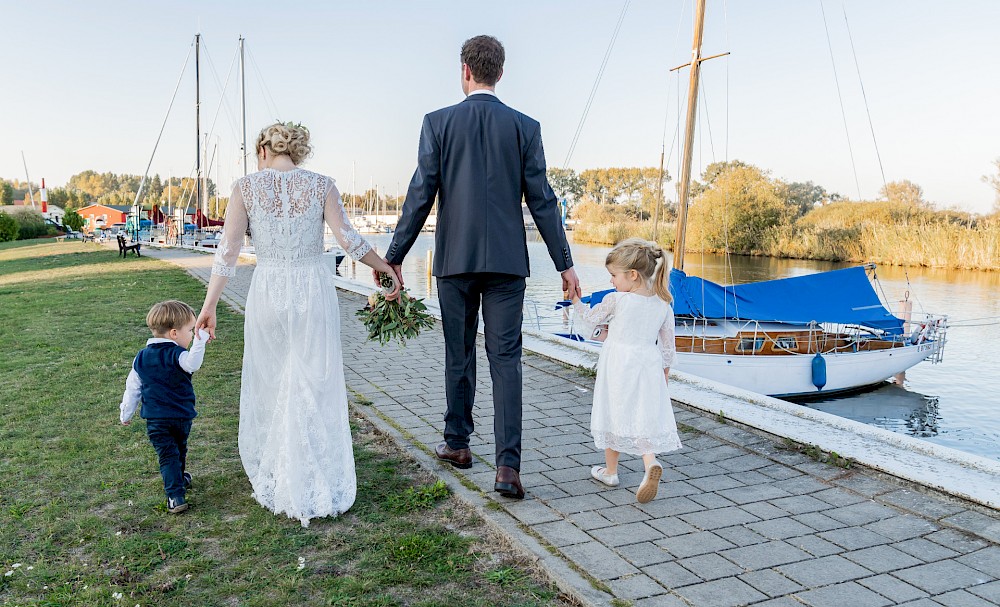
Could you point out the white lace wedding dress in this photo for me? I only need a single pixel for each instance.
(294, 440)
(632, 411)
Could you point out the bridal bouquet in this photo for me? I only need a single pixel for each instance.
(399, 319)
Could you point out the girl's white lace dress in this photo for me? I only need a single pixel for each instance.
(294, 440)
(632, 412)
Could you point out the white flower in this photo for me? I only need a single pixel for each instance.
(302, 564)
(30, 567)
(187, 577)
(117, 596)
(15, 565)
(9, 573)
(119, 533)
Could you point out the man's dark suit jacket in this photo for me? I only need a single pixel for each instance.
(480, 158)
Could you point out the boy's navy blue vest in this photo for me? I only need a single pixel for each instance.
(167, 392)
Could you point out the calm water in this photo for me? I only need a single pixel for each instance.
(955, 403)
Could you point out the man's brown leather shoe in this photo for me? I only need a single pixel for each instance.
(460, 458)
(509, 483)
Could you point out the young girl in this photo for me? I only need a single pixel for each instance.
(632, 412)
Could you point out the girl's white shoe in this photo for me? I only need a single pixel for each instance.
(600, 474)
(650, 483)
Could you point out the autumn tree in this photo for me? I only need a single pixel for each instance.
(994, 182)
(565, 183)
(6, 193)
(73, 221)
(903, 192)
(737, 208)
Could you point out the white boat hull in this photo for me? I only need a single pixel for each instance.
(792, 375)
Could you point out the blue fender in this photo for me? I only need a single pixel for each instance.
(819, 371)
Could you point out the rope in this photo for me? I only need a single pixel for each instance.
(666, 113)
(843, 114)
(266, 93)
(138, 194)
(597, 82)
(222, 95)
(871, 126)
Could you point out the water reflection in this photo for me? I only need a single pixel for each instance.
(891, 407)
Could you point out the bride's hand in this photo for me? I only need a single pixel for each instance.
(206, 320)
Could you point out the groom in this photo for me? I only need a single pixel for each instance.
(478, 159)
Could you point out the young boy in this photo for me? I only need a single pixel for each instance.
(161, 379)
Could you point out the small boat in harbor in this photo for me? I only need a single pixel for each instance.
(818, 334)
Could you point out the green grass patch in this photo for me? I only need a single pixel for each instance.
(81, 501)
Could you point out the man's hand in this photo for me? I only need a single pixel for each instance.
(396, 268)
(571, 283)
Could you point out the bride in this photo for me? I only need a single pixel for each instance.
(294, 439)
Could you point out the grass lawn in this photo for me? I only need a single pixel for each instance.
(82, 515)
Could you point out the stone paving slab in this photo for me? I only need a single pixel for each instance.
(740, 519)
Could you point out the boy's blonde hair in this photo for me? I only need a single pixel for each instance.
(645, 257)
(168, 315)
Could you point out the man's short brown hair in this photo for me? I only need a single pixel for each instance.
(168, 315)
(484, 55)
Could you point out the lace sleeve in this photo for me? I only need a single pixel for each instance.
(232, 235)
(665, 339)
(600, 314)
(336, 217)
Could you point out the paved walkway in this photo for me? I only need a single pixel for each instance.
(740, 519)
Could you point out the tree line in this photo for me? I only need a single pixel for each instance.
(90, 187)
(739, 208)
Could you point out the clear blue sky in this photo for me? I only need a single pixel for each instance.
(86, 84)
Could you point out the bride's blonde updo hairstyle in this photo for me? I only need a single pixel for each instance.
(648, 259)
(286, 138)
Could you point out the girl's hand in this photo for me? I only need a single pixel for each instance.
(206, 320)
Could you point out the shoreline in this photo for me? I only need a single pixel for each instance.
(668, 246)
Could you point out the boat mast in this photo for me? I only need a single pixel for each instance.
(692, 109)
(197, 117)
(27, 178)
(243, 101)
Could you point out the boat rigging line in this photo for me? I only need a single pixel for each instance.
(857, 67)
(840, 97)
(597, 82)
(223, 88)
(145, 175)
(268, 99)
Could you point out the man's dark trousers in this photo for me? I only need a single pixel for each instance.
(502, 297)
(169, 437)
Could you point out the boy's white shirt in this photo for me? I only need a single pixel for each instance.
(190, 361)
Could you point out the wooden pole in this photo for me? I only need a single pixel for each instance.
(659, 200)
(692, 109)
(243, 103)
(197, 118)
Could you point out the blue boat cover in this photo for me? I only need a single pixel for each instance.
(839, 296)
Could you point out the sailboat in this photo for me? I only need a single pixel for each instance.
(818, 334)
